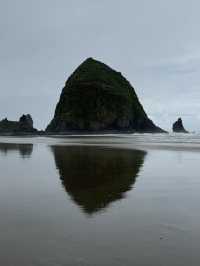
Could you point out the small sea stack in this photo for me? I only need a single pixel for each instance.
(23, 126)
(178, 127)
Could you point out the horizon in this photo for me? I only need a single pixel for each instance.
(154, 49)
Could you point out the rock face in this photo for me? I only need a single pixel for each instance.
(178, 127)
(24, 125)
(97, 98)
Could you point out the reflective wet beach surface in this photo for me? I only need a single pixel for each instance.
(109, 204)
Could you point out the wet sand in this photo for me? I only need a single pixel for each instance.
(109, 200)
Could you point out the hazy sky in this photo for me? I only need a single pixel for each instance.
(155, 44)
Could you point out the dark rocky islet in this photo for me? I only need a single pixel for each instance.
(23, 126)
(98, 99)
(178, 127)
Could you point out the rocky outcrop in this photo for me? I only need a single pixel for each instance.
(23, 126)
(178, 127)
(26, 123)
(97, 98)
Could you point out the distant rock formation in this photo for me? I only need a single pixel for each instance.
(26, 124)
(178, 127)
(97, 98)
(23, 126)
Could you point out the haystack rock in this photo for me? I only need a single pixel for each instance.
(98, 99)
(178, 127)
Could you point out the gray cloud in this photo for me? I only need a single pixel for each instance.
(155, 44)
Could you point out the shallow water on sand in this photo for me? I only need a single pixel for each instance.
(109, 200)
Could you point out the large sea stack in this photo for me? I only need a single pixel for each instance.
(97, 98)
(178, 127)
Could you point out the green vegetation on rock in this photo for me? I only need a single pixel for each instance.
(97, 98)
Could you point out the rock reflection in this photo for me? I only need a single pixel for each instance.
(25, 150)
(94, 177)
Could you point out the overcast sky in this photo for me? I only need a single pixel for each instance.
(155, 44)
